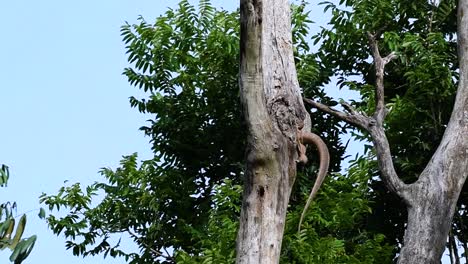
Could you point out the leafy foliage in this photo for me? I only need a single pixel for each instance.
(217, 241)
(335, 229)
(21, 247)
(333, 232)
(420, 85)
(186, 199)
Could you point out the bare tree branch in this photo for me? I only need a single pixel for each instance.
(374, 124)
(349, 108)
(380, 63)
(431, 200)
(354, 118)
(379, 138)
(385, 161)
(389, 57)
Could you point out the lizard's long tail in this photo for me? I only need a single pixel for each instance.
(311, 138)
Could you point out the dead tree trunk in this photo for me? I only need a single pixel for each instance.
(431, 200)
(274, 113)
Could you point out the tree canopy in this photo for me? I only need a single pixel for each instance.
(187, 64)
(420, 85)
(183, 205)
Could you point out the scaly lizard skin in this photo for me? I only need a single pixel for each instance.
(311, 138)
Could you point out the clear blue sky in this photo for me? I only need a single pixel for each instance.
(64, 103)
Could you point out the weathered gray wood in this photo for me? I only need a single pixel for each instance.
(435, 194)
(274, 112)
(431, 200)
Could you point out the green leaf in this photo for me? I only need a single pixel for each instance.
(19, 232)
(6, 229)
(4, 175)
(23, 249)
(41, 213)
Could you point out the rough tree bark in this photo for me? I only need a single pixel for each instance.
(431, 200)
(274, 112)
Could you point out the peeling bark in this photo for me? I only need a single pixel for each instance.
(274, 111)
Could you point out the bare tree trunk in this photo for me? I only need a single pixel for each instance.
(431, 200)
(274, 114)
(429, 221)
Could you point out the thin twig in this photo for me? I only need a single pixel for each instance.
(349, 108)
(156, 252)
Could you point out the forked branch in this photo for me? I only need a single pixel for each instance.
(380, 63)
(373, 125)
